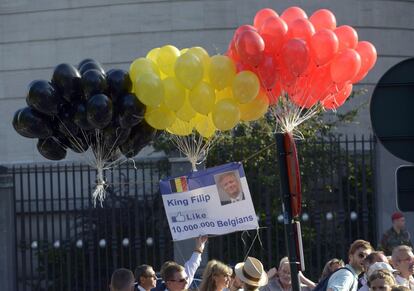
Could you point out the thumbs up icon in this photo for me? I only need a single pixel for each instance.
(178, 218)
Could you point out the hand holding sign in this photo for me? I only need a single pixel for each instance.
(206, 205)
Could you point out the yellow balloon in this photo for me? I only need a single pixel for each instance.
(189, 70)
(186, 112)
(180, 127)
(204, 125)
(183, 51)
(226, 93)
(140, 66)
(159, 117)
(204, 57)
(167, 55)
(153, 54)
(226, 114)
(202, 98)
(174, 92)
(149, 89)
(222, 71)
(255, 109)
(246, 86)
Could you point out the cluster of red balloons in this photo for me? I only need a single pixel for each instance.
(310, 60)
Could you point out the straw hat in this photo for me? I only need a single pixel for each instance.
(251, 272)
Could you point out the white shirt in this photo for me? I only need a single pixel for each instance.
(407, 283)
(140, 288)
(191, 266)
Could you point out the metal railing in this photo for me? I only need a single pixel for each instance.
(65, 243)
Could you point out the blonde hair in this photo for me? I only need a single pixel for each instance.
(384, 275)
(212, 269)
(327, 270)
(283, 261)
(359, 243)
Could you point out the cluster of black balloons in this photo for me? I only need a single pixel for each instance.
(82, 108)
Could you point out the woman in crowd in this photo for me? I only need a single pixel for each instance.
(216, 276)
(282, 281)
(330, 267)
(381, 280)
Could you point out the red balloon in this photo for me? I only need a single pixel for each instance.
(323, 19)
(267, 72)
(336, 100)
(301, 28)
(347, 36)
(321, 83)
(368, 55)
(274, 93)
(293, 13)
(273, 32)
(232, 52)
(262, 15)
(295, 56)
(250, 47)
(324, 45)
(345, 66)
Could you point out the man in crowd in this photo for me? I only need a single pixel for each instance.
(122, 280)
(175, 277)
(172, 271)
(230, 184)
(347, 279)
(395, 236)
(145, 277)
(403, 261)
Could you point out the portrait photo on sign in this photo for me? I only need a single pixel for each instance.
(229, 187)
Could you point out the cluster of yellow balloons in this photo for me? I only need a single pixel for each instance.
(187, 89)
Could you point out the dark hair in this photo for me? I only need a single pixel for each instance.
(121, 279)
(359, 243)
(248, 287)
(170, 270)
(141, 271)
(372, 257)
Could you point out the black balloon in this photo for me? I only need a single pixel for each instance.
(114, 136)
(131, 110)
(93, 82)
(119, 83)
(64, 121)
(68, 82)
(80, 116)
(43, 97)
(139, 137)
(32, 124)
(51, 149)
(99, 111)
(86, 61)
(91, 65)
(78, 144)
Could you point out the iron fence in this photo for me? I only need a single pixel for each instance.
(338, 204)
(65, 243)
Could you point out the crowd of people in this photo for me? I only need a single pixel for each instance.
(389, 268)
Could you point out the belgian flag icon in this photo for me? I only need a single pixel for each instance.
(179, 184)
